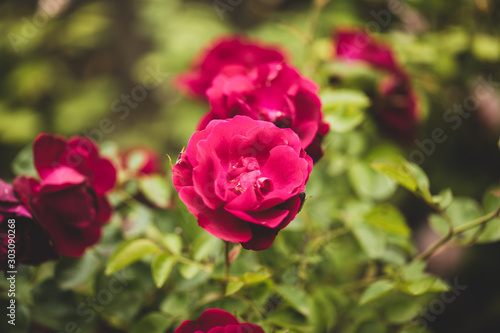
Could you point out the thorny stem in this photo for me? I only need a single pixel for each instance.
(464, 227)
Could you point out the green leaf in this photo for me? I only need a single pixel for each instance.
(389, 219)
(189, 271)
(256, 277)
(136, 159)
(408, 175)
(287, 318)
(440, 286)
(372, 240)
(419, 287)
(414, 271)
(402, 311)
(137, 220)
(367, 183)
(417, 282)
(461, 211)
(204, 245)
(332, 99)
(152, 323)
(234, 286)
(129, 252)
(173, 242)
(421, 178)
(324, 316)
(344, 108)
(297, 298)
(376, 290)
(486, 47)
(398, 173)
(491, 232)
(23, 163)
(345, 119)
(175, 303)
(71, 272)
(162, 267)
(443, 199)
(156, 189)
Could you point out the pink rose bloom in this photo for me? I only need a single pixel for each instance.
(70, 200)
(358, 45)
(32, 243)
(243, 179)
(226, 52)
(398, 109)
(217, 321)
(274, 92)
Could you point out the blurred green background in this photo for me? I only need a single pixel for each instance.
(104, 69)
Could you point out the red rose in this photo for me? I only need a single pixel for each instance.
(228, 51)
(31, 243)
(70, 200)
(242, 179)
(274, 92)
(398, 109)
(358, 45)
(217, 321)
(141, 160)
(396, 106)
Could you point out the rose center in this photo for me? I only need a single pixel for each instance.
(245, 174)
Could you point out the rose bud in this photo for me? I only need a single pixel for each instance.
(217, 321)
(359, 46)
(221, 57)
(141, 161)
(397, 110)
(242, 179)
(31, 243)
(396, 106)
(70, 200)
(274, 92)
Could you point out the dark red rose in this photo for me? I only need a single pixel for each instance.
(141, 160)
(358, 45)
(242, 179)
(69, 201)
(30, 243)
(397, 111)
(217, 321)
(274, 92)
(221, 57)
(396, 106)
(79, 153)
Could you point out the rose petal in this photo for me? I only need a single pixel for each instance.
(61, 178)
(104, 175)
(208, 319)
(270, 218)
(225, 226)
(286, 169)
(262, 238)
(47, 150)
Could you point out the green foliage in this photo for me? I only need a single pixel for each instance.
(129, 252)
